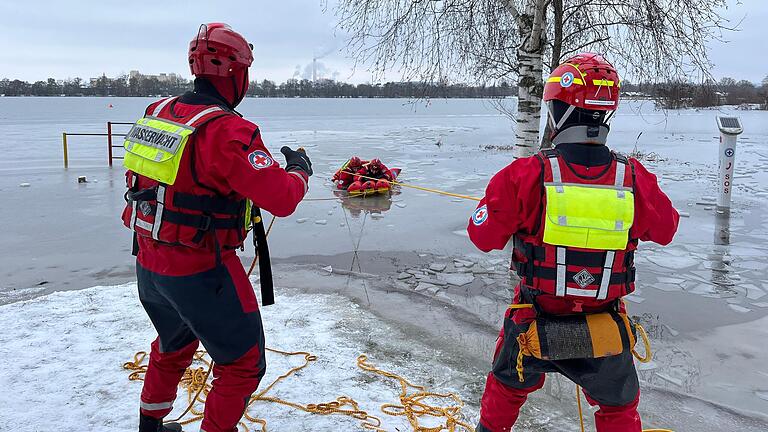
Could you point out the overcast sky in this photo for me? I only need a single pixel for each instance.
(61, 39)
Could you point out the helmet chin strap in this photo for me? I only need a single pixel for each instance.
(582, 134)
(236, 91)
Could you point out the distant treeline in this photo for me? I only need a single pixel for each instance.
(671, 95)
(680, 94)
(152, 86)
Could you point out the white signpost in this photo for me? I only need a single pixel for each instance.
(730, 128)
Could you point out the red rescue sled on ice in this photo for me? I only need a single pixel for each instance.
(364, 178)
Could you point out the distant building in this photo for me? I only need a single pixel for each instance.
(163, 77)
(93, 81)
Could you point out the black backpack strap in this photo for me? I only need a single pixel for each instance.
(135, 247)
(208, 203)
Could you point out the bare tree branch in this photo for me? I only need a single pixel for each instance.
(489, 40)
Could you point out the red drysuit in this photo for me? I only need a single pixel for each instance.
(201, 294)
(512, 207)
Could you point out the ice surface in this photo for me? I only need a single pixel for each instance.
(740, 309)
(753, 292)
(667, 287)
(673, 262)
(438, 267)
(424, 286)
(457, 279)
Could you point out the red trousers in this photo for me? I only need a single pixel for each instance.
(500, 407)
(224, 405)
(219, 310)
(610, 383)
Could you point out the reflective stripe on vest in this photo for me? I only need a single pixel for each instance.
(159, 212)
(588, 216)
(134, 204)
(154, 146)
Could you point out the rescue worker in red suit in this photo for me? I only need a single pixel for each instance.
(346, 176)
(190, 280)
(581, 96)
(373, 175)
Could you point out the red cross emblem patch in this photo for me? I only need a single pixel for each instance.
(260, 159)
(480, 215)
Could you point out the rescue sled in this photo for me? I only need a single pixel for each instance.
(381, 188)
(365, 178)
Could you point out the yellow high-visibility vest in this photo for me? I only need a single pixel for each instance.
(154, 146)
(588, 216)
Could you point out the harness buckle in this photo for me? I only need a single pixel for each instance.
(205, 223)
(577, 306)
(149, 194)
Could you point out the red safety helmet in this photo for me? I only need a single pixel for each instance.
(222, 56)
(375, 165)
(582, 91)
(585, 81)
(355, 161)
(219, 51)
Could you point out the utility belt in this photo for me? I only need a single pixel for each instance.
(579, 336)
(609, 282)
(148, 215)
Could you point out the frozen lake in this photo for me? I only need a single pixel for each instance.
(705, 303)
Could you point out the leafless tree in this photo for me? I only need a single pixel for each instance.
(488, 40)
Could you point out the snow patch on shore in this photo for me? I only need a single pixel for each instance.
(64, 353)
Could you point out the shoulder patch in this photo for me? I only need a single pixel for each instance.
(260, 159)
(480, 215)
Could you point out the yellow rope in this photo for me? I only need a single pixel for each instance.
(578, 402)
(647, 342)
(412, 406)
(422, 188)
(520, 354)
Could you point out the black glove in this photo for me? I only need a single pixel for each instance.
(296, 160)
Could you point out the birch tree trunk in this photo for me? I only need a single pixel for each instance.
(530, 58)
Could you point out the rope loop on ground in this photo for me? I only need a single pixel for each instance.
(413, 406)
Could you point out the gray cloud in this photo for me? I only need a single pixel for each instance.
(52, 38)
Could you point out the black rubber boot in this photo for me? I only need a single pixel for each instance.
(151, 424)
